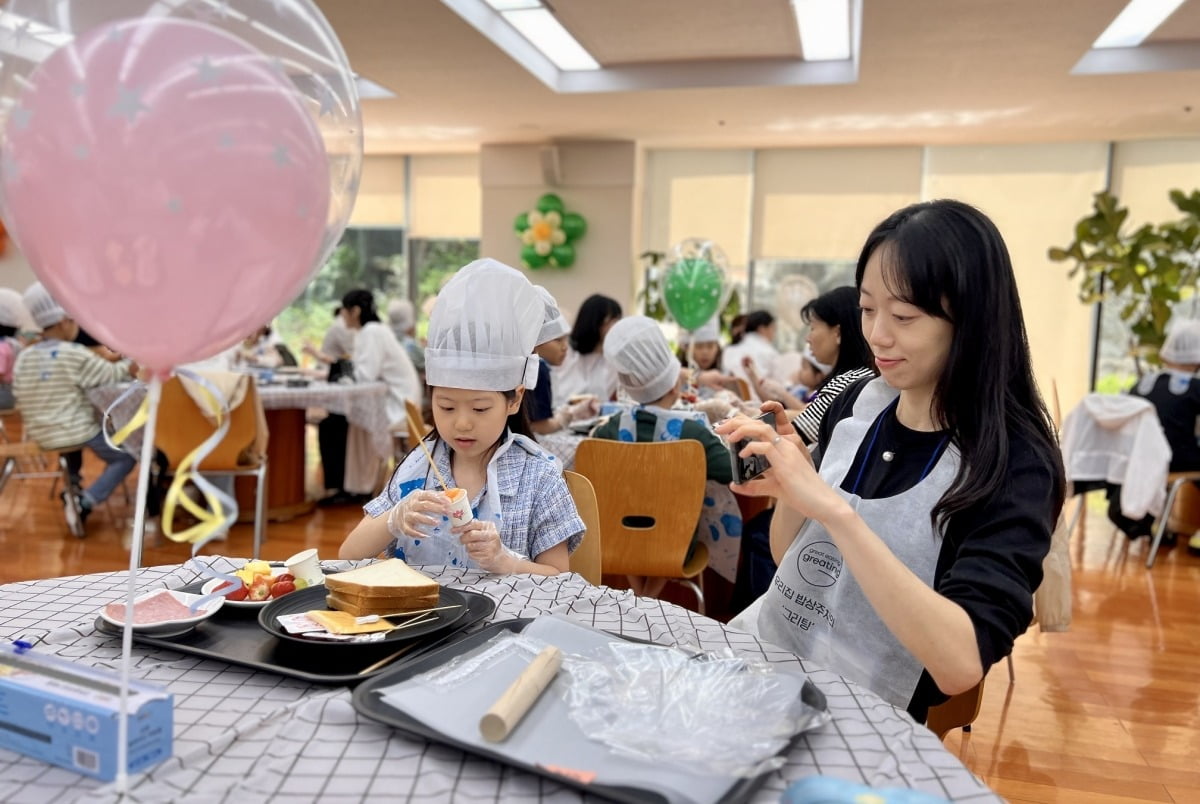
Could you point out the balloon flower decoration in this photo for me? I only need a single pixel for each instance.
(549, 233)
(175, 173)
(694, 288)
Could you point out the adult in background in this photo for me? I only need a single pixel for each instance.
(757, 344)
(378, 357)
(584, 371)
(402, 318)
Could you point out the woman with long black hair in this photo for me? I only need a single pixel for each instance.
(908, 561)
(584, 371)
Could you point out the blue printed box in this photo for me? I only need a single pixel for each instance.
(67, 714)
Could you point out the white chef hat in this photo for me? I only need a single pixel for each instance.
(708, 332)
(638, 350)
(45, 310)
(401, 314)
(1183, 343)
(483, 329)
(553, 323)
(12, 309)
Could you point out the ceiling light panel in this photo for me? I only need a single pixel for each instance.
(546, 33)
(824, 27)
(1136, 21)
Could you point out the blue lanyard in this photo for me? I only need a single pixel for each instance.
(871, 448)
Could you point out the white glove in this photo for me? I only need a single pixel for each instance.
(420, 508)
(584, 409)
(484, 547)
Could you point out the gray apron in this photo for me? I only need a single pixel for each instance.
(815, 606)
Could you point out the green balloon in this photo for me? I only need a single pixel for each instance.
(550, 203)
(562, 256)
(573, 226)
(531, 258)
(521, 223)
(692, 289)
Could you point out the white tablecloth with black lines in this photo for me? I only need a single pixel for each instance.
(244, 735)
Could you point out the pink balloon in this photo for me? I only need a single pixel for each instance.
(167, 185)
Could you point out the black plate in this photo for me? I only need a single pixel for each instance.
(368, 702)
(236, 638)
(313, 597)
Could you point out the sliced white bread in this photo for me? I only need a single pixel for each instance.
(380, 605)
(391, 578)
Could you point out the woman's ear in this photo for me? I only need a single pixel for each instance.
(837, 334)
(514, 404)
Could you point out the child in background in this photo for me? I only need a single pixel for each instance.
(551, 351)
(650, 375)
(478, 361)
(705, 353)
(50, 382)
(11, 308)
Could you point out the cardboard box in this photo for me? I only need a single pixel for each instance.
(67, 714)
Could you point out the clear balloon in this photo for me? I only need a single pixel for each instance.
(694, 286)
(175, 171)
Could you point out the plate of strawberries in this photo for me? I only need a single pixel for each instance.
(260, 584)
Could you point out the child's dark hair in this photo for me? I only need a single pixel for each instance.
(6, 331)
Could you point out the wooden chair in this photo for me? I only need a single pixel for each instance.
(402, 440)
(586, 559)
(182, 427)
(742, 389)
(649, 495)
(957, 713)
(1175, 511)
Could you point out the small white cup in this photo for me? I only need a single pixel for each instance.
(306, 565)
(460, 507)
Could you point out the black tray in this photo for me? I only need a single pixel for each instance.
(234, 636)
(368, 703)
(313, 597)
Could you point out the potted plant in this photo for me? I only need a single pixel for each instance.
(1148, 271)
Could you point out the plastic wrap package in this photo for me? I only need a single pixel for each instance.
(722, 715)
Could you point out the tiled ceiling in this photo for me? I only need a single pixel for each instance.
(931, 72)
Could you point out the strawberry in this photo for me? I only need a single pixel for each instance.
(286, 576)
(261, 588)
(236, 594)
(281, 588)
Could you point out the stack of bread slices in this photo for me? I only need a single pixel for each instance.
(386, 587)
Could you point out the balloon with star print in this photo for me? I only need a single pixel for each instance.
(175, 173)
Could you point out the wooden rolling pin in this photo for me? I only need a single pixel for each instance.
(504, 715)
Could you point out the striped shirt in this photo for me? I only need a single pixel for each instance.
(50, 382)
(808, 423)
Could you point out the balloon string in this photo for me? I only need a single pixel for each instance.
(153, 395)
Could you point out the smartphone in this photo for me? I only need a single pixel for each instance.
(746, 469)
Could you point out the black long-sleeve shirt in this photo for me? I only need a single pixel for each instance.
(990, 559)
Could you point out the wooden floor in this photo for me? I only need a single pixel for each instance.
(1107, 712)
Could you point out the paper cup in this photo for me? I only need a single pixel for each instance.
(306, 565)
(460, 507)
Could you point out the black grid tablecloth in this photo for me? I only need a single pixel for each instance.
(247, 736)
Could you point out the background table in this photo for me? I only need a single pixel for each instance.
(363, 404)
(242, 735)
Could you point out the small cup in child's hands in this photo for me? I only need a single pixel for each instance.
(460, 507)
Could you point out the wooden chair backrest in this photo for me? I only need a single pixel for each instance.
(586, 558)
(182, 427)
(743, 389)
(649, 497)
(414, 413)
(961, 710)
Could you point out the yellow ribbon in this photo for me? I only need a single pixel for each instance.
(139, 418)
(209, 518)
